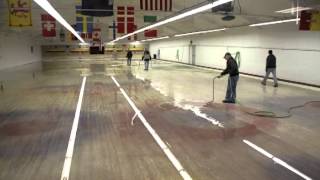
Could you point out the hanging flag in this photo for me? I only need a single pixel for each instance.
(156, 5)
(130, 19)
(84, 24)
(98, 8)
(151, 33)
(310, 21)
(121, 19)
(48, 25)
(19, 13)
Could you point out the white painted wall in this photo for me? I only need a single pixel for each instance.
(15, 49)
(298, 53)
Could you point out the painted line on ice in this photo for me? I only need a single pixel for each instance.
(68, 159)
(276, 160)
(184, 174)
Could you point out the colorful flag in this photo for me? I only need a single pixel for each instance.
(48, 25)
(126, 20)
(151, 33)
(156, 5)
(19, 13)
(97, 7)
(84, 24)
(310, 21)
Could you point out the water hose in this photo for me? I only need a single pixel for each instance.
(263, 113)
(271, 114)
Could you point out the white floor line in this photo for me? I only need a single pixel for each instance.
(276, 160)
(68, 159)
(184, 174)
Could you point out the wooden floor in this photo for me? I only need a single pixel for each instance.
(37, 109)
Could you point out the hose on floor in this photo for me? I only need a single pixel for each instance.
(271, 114)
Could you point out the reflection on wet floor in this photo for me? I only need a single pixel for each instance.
(36, 113)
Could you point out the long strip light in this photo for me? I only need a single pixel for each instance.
(275, 22)
(293, 10)
(177, 17)
(48, 7)
(200, 32)
(154, 39)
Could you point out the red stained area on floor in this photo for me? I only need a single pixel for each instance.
(21, 128)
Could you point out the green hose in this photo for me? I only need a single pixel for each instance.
(271, 114)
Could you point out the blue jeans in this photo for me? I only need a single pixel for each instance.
(146, 65)
(231, 94)
(129, 61)
(274, 73)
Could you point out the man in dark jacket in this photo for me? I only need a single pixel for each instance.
(271, 68)
(233, 71)
(129, 57)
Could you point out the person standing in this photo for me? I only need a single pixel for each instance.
(146, 58)
(129, 57)
(271, 66)
(233, 71)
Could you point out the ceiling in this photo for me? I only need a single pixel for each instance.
(246, 12)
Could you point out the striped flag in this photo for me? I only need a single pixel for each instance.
(156, 5)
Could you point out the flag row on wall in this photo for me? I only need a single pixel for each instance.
(124, 22)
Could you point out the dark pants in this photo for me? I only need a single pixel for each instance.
(231, 94)
(129, 61)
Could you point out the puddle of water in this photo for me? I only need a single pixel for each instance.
(194, 106)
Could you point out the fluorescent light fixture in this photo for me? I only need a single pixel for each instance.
(110, 43)
(48, 7)
(293, 10)
(200, 32)
(135, 43)
(84, 44)
(154, 39)
(177, 17)
(275, 22)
